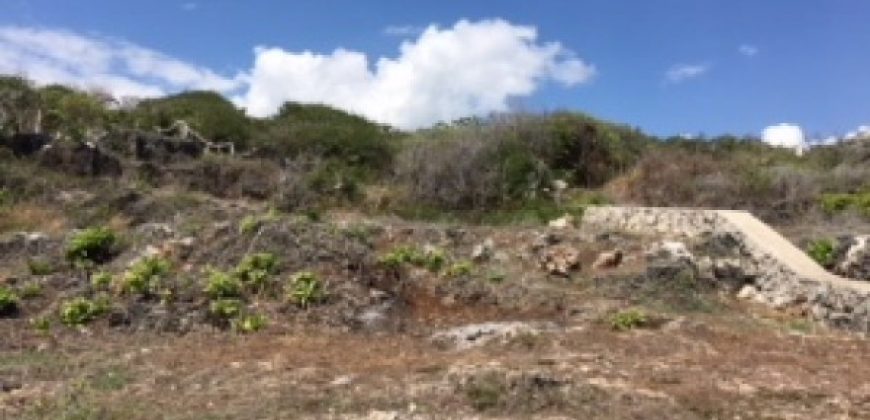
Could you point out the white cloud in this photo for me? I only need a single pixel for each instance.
(124, 69)
(403, 30)
(472, 68)
(682, 72)
(785, 135)
(861, 132)
(189, 6)
(748, 50)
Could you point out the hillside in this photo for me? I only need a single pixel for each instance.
(176, 258)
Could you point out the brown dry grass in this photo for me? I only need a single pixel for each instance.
(32, 217)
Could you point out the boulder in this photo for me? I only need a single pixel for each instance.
(855, 262)
(669, 251)
(82, 159)
(483, 251)
(560, 260)
(609, 259)
(563, 222)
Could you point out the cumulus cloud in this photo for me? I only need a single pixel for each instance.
(471, 68)
(785, 135)
(748, 50)
(862, 131)
(124, 69)
(682, 72)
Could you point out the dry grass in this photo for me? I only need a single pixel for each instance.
(32, 217)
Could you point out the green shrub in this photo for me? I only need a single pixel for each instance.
(432, 259)
(41, 324)
(8, 301)
(225, 309)
(306, 289)
(40, 267)
(822, 250)
(31, 290)
(250, 224)
(628, 319)
(249, 323)
(92, 245)
(222, 285)
(145, 277)
(101, 280)
(834, 203)
(80, 311)
(255, 270)
(460, 268)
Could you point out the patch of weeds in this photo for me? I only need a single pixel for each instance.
(249, 323)
(835, 203)
(113, 378)
(30, 290)
(93, 245)
(495, 277)
(803, 326)
(628, 320)
(8, 302)
(41, 324)
(460, 268)
(252, 223)
(101, 280)
(40, 267)
(255, 270)
(146, 276)
(359, 232)
(431, 259)
(222, 285)
(80, 311)
(225, 309)
(306, 289)
(485, 393)
(822, 251)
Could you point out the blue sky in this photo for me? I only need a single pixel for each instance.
(802, 62)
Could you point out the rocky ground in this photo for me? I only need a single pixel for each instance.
(412, 320)
(209, 303)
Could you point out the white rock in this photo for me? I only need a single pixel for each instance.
(563, 222)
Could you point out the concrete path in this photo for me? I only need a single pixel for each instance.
(772, 243)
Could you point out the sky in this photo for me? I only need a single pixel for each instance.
(784, 68)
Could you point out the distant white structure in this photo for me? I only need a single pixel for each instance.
(785, 135)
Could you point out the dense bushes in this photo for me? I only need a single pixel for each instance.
(209, 113)
(511, 159)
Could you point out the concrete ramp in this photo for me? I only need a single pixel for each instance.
(767, 240)
(783, 275)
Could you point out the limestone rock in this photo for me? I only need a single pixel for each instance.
(483, 251)
(609, 259)
(560, 260)
(671, 251)
(856, 261)
(563, 222)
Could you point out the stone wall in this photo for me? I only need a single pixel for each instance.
(724, 251)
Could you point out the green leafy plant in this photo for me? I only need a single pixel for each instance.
(92, 245)
(145, 276)
(460, 268)
(222, 285)
(306, 289)
(249, 323)
(40, 267)
(31, 290)
(225, 309)
(255, 270)
(80, 311)
(628, 320)
(41, 324)
(250, 224)
(431, 259)
(8, 301)
(101, 280)
(822, 250)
